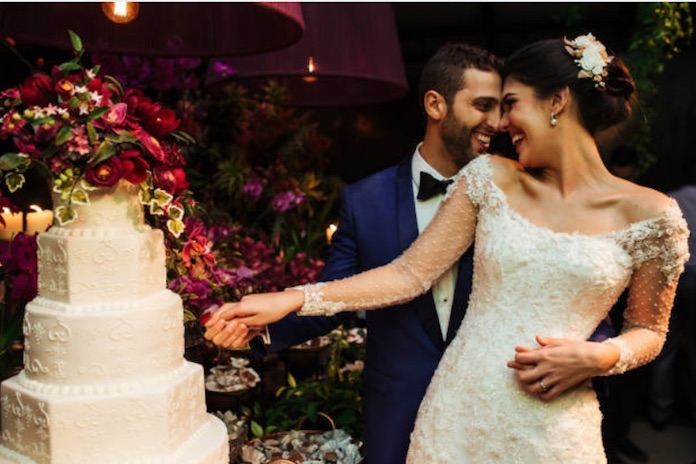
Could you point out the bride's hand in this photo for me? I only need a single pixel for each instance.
(558, 365)
(259, 309)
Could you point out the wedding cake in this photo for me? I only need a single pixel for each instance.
(105, 379)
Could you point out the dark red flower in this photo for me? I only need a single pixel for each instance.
(161, 123)
(171, 180)
(134, 166)
(65, 88)
(105, 174)
(139, 106)
(36, 90)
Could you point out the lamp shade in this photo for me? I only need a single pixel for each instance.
(175, 29)
(350, 54)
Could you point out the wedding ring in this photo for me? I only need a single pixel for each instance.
(544, 388)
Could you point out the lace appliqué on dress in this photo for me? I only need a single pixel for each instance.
(314, 304)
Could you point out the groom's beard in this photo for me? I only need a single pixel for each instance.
(457, 140)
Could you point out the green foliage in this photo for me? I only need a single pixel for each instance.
(662, 29)
(338, 395)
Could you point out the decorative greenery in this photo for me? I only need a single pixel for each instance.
(338, 394)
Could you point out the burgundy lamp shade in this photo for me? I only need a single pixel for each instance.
(350, 54)
(174, 29)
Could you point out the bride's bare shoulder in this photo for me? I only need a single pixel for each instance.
(505, 170)
(640, 203)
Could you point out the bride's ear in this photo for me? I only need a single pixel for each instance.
(560, 100)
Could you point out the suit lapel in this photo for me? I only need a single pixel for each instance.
(408, 232)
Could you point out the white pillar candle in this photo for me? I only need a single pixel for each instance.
(13, 224)
(38, 220)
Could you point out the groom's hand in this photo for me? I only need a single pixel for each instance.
(230, 333)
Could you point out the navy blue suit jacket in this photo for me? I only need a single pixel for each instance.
(404, 343)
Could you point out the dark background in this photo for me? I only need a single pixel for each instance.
(368, 138)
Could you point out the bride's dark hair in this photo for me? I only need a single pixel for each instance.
(547, 67)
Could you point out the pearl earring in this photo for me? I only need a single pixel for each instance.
(553, 120)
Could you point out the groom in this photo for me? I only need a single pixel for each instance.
(380, 216)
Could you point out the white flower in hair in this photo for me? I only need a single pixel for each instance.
(591, 56)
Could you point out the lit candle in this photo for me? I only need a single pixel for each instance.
(311, 71)
(13, 224)
(39, 220)
(329, 232)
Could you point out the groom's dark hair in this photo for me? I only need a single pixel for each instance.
(443, 72)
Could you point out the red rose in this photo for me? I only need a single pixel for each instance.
(36, 90)
(139, 106)
(134, 166)
(105, 174)
(161, 123)
(65, 88)
(171, 180)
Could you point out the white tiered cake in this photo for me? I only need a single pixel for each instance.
(105, 379)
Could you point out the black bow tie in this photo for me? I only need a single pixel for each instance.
(430, 187)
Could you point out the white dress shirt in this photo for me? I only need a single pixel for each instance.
(443, 290)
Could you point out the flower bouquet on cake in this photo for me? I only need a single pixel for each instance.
(87, 132)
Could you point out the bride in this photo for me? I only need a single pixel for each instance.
(558, 238)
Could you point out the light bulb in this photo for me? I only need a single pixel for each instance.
(121, 12)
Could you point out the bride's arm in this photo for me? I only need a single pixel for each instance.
(650, 298)
(440, 245)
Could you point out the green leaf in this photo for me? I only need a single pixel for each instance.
(91, 133)
(291, 381)
(79, 197)
(105, 151)
(98, 113)
(70, 66)
(63, 135)
(256, 429)
(116, 83)
(65, 215)
(14, 161)
(184, 137)
(14, 182)
(75, 41)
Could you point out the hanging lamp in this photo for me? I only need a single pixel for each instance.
(174, 29)
(350, 54)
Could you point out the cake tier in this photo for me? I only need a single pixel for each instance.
(102, 346)
(109, 208)
(159, 421)
(99, 265)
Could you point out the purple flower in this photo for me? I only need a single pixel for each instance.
(287, 200)
(253, 188)
(244, 272)
(223, 69)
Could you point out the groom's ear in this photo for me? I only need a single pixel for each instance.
(435, 105)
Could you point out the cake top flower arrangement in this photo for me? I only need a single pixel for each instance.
(87, 132)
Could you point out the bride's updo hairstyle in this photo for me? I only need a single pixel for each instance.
(601, 84)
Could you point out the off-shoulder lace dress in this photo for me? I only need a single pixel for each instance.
(528, 280)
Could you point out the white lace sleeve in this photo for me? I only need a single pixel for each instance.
(659, 250)
(441, 244)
